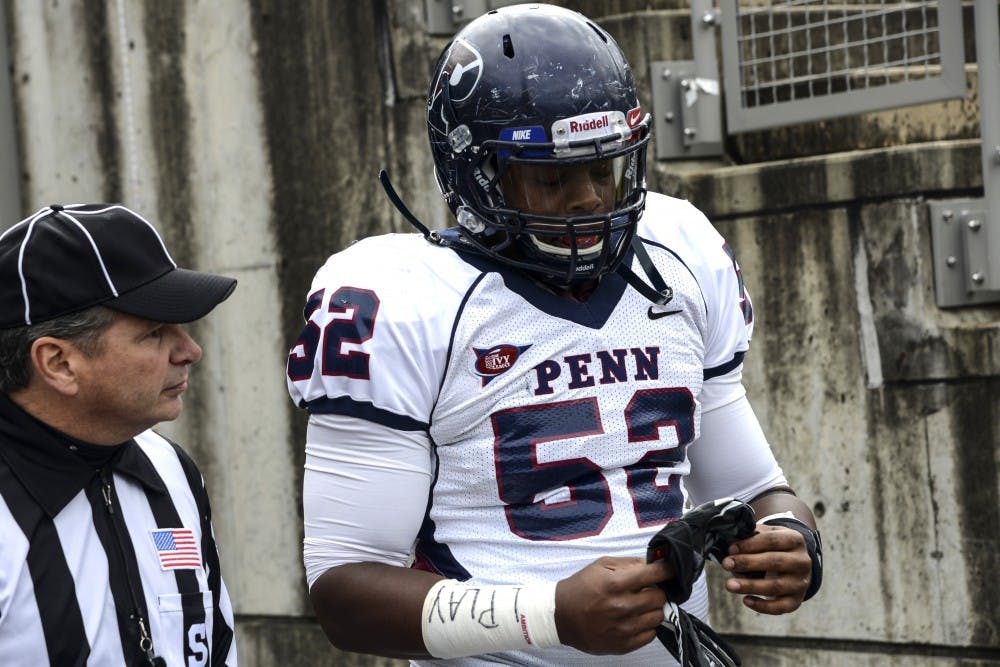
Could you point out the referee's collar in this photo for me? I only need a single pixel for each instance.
(41, 460)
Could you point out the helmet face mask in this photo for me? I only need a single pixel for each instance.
(539, 143)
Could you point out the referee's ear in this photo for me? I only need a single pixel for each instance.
(54, 366)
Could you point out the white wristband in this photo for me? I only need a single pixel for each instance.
(461, 619)
(787, 514)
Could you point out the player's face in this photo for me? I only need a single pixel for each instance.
(138, 374)
(562, 191)
(565, 191)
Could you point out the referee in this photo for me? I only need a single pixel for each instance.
(107, 555)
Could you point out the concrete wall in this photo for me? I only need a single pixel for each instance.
(10, 192)
(251, 132)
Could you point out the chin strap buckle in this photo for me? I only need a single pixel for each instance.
(660, 293)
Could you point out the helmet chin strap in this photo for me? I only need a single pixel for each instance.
(659, 293)
(383, 177)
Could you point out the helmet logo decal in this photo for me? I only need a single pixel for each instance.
(532, 134)
(494, 361)
(634, 116)
(480, 177)
(466, 67)
(597, 125)
(460, 71)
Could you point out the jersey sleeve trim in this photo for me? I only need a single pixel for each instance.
(724, 368)
(347, 406)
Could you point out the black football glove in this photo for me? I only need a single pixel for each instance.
(704, 532)
(692, 642)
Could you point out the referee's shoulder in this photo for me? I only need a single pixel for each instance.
(157, 445)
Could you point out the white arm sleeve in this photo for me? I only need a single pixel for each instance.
(364, 492)
(731, 457)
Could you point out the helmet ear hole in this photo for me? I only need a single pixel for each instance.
(508, 47)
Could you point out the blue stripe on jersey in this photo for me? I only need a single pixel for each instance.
(436, 557)
(433, 556)
(454, 327)
(345, 405)
(429, 554)
(724, 368)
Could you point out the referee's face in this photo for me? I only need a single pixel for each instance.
(138, 375)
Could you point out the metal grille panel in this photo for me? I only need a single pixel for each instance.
(796, 60)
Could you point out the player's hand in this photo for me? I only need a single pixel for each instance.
(611, 606)
(771, 569)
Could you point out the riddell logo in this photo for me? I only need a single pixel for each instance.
(484, 182)
(592, 124)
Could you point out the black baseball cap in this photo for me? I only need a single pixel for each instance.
(64, 259)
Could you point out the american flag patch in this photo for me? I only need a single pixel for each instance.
(176, 548)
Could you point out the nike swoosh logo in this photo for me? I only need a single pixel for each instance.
(655, 315)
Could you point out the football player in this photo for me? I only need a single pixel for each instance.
(503, 413)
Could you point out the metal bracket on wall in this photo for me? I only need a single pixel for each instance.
(445, 17)
(960, 252)
(687, 111)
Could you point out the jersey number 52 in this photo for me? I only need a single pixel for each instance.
(521, 476)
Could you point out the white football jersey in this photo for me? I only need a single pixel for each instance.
(558, 430)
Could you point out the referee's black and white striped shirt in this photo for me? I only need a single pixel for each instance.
(106, 567)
